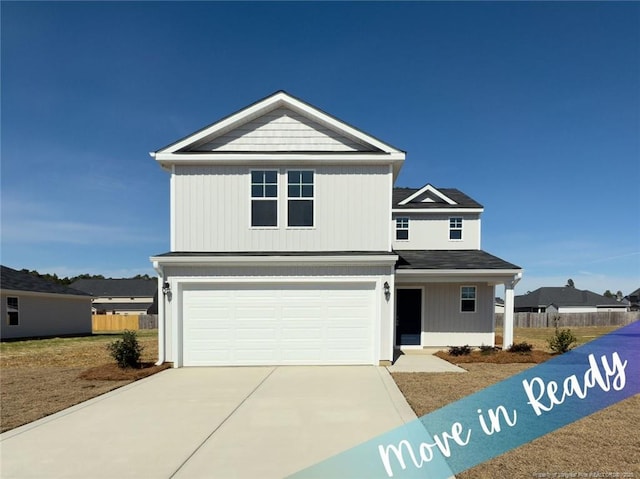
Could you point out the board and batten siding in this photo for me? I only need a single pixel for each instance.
(213, 210)
(431, 231)
(442, 309)
(282, 130)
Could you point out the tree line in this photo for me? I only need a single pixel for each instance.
(66, 281)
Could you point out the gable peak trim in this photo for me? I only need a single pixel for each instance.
(428, 188)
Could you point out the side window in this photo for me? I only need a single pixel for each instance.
(300, 198)
(402, 229)
(264, 198)
(455, 228)
(468, 299)
(13, 311)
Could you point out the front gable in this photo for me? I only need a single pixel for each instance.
(279, 128)
(428, 194)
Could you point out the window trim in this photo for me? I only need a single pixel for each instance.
(264, 198)
(402, 228)
(455, 227)
(17, 312)
(475, 298)
(312, 198)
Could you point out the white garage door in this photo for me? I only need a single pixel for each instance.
(270, 324)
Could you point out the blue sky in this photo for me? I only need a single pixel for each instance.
(532, 109)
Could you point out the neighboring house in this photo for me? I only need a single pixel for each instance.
(634, 300)
(289, 245)
(35, 307)
(499, 308)
(120, 296)
(566, 300)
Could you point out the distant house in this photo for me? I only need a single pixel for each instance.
(634, 300)
(499, 305)
(565, 300)
(120, 296)
(34, 307)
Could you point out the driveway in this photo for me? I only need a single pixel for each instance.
(251, 422)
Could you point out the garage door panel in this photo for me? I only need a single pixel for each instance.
(255, 324)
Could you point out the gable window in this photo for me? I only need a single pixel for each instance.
(402, 229)
(300, 198)
(455, 228)
(13, 311)
(468, 299)
(264, 198)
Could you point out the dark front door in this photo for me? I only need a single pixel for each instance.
(408, 317)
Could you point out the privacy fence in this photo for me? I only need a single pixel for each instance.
(547, 320)
(120, 322)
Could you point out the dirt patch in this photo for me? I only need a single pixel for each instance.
(496, 357)
(606, 442)
(112, 372)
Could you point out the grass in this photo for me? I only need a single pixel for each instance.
(43, 376)
(605, 443)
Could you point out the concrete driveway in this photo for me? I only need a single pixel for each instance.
(252, 422)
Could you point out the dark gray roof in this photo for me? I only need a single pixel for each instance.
(563, 296)
(15, 280)
(121, 306)
(462, 200)
(450, 259)
(114, 288)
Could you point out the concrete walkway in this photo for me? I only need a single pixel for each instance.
(265, 422)
(422, 361)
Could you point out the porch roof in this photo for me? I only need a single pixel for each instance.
(451, 260)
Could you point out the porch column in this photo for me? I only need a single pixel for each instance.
(507, 334)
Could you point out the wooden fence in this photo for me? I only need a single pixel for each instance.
(546, 320)
(120, 322)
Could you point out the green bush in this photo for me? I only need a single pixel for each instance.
(522, 347)
(486, 350)
(562, 341)
(126, 351)
(459, 350)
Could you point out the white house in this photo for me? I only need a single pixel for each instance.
(35, 307)
(289, 245)
(119, 296)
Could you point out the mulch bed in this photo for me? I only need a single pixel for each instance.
(112, 372)
(497, 357)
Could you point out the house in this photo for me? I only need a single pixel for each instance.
(290, 245)
(119, 296)
(566, 300)
(499, 308)
(35, 307)
(634, 300)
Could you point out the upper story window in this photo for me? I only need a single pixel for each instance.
(468, 299)
(13, 311)
(300, 198)
(402, 229)
(264, 198)
(455, 228)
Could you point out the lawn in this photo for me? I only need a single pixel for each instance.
(605, 444)
(41, 377)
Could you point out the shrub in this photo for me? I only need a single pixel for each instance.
(126, 351)
(486, 350)
(459, 350)
(562, 341)
(522, 347)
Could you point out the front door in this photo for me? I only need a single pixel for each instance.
(408, 317)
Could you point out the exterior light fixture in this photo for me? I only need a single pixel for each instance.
(166, 288)
(387, 290)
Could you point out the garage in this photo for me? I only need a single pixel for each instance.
(243, 324)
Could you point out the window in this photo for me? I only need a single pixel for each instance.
(455, 228)
(264, 198)
(402, 228)
(468, 299)
(13, 313)
(300, 194)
